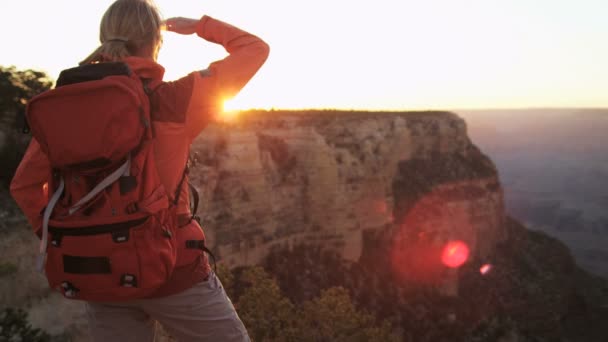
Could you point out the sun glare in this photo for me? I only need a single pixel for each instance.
(230, 112)
(232, 105)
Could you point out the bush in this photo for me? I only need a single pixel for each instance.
(266, 313)
(14, 327)
(332, 316)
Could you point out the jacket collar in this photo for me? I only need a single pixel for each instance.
(145, 68)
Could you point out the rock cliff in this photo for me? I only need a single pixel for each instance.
(330, 178)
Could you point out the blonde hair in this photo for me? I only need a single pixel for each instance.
(127, 27)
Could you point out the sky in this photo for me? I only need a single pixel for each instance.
(360, 54)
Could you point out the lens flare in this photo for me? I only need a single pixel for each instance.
(455, 254)
(45, 190)
(485, 269)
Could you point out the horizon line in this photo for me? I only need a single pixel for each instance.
(430, 109)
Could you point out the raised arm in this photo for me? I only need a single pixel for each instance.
(247, 54)
(224, 78)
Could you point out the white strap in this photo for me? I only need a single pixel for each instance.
(45, 225)
(114, 176)
(123, 170)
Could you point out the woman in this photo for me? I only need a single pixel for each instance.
(192, 305)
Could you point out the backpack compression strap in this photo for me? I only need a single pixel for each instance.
(193, 192)
(123, 170)
(45, 225)
(200, 244)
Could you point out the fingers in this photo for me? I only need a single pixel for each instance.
(180, 25)
(169, 24)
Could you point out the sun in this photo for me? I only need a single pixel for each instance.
(230, 111)
(232, 105)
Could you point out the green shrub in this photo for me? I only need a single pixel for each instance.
(332, 316)
(14, 327)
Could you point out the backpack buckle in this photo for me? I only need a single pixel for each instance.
(56, 240)
(132, 208)
(121, 236)
(128, 280)
(69, 290)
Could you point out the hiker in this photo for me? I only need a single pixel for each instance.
(192, 304)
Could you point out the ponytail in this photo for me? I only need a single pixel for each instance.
(111, 50)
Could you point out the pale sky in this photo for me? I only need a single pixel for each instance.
(381, 54)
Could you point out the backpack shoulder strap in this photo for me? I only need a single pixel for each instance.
(193, 192)
(150, 85)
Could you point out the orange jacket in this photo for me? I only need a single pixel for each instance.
(180, 110)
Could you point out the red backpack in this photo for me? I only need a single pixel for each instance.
(109, 226)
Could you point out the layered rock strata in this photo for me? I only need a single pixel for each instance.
(329, 179)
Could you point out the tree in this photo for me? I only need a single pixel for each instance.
(16, 89)
(333, 317)
(270, 316)
(266, 313)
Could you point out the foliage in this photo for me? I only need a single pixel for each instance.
(533, 291)
(10, 155)
(266, 313)
(492, 329)
(16, 88)
(14, 327)
(227, 278)
(332, 316)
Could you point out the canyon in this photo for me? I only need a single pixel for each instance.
(385, 192)
(331, 178)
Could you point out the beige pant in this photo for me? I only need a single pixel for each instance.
(201, 313)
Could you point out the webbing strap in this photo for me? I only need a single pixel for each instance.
(193, 191)
(45, 225)
(195, 197)
(178, 191)
(200, 244)
(123, 170)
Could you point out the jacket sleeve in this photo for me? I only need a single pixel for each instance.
(224, 78)
(29, 186)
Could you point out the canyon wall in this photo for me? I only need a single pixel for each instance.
(325, 178)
